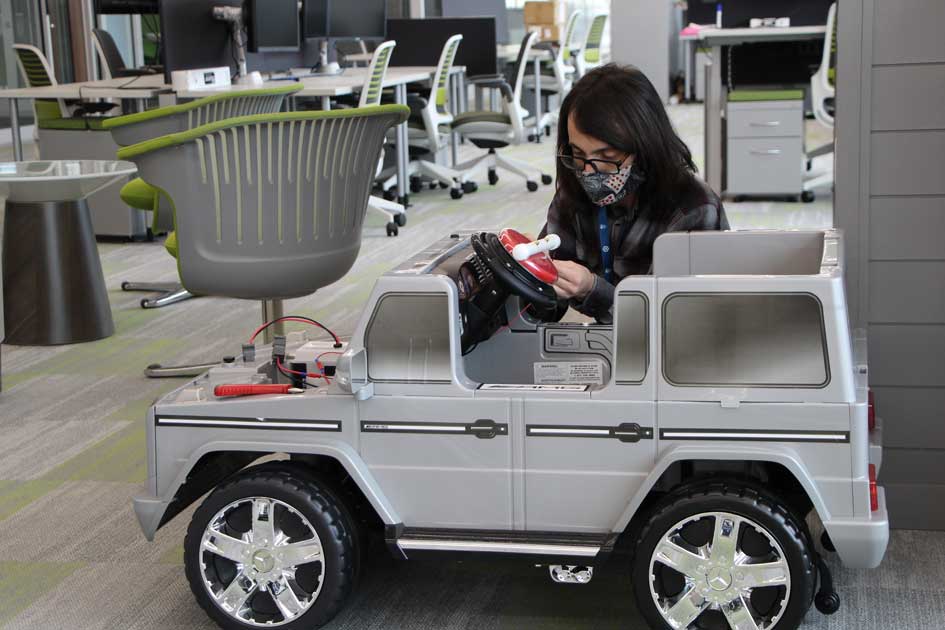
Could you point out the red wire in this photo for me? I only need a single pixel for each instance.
(291, 318)
(286, 370)
(318, 359)
(514, 319)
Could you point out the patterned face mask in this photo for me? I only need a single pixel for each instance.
(606, 189)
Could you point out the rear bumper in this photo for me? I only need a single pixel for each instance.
(861, 542)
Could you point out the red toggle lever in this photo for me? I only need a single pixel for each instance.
(253, 390)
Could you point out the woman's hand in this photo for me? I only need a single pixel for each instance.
(574, 280)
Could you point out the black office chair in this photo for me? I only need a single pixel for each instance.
(111, 57)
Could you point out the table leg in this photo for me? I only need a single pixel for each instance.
(54, 289)
(326, 103)
(713, 121)
(400, 95)
(688, 65)
(15, 130)
(537, 99)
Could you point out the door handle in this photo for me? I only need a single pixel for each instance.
(630, 432)
(485, 429)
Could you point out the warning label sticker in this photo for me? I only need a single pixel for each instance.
(569, 372)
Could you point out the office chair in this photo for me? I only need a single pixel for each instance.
(495, 130)
(267, 207)
(371, 93)
(428, 130)
(557, 77)
(154, 123)
(590, 55)
(61, 114)
(823, 93)
(112, 63)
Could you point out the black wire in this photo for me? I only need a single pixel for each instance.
(308, 319)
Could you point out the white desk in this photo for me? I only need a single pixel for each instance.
(716, 39)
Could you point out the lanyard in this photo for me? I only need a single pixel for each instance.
(606, 257)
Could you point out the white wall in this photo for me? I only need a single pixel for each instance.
(639, 32)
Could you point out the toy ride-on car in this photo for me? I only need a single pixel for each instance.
(715, 428)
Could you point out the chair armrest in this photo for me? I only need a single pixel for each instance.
(497, 83)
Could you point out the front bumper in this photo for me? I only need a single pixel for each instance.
(861, 542)
(149, 510)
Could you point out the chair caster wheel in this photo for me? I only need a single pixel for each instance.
(493, 178)
(532, 186)
(807, 196)
(827, 602)
(392, 229)
(532, 137)
(456, 193)
(415, 185)
(432, 185)
(149, 236)
(400, 219)
(145, 303)
(826, 543)
(390, 195)
(546, 179)
(444, 185)
(125, 285)
(470, 187)
(810, 164)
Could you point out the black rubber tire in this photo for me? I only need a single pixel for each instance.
(493, 178)
(456, 193)
(807, 196)
(324, 511)
(546, 179)
(400, 219)
(742, 499)
(827, 603)
(392, 229)
(470, 187)
(532, 186)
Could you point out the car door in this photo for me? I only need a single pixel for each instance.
(586, 456)
(441, 456)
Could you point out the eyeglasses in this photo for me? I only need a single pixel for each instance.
(608, 167)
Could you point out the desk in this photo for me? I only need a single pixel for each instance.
(716, 39)
(54, 290)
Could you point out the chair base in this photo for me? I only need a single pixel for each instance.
(170, 293)
(271, 310)
(495, 161)
(395, 213)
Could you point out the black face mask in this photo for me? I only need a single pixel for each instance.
(606, 189)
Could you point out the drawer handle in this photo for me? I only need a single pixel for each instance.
(771, 123)
(767, 152)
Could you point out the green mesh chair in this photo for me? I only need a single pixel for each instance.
(267, 207)
(134, 128)
(60, 114)
(590, 55)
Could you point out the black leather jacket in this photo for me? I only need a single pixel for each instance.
(632, 235)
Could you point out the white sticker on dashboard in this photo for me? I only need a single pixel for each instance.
(569, 372)
(533, 388)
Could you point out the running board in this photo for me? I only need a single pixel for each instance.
(482, 546)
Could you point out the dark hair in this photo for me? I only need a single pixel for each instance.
(619, 105)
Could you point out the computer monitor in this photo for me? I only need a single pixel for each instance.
(481, 8)
(126, 7)
(273, 25)
(191, 37)
(420, 42)
(315, 18)
(357, 18)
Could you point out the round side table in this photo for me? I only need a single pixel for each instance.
(53, 286)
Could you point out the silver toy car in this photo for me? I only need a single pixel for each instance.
(723, 412)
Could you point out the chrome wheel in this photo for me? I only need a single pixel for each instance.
(261, 561)
(719, 568)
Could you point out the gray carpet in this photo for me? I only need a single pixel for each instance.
(72, 555)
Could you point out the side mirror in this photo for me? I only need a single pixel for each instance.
(351, 373)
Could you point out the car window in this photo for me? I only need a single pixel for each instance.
(408, 339)
(762, 340)
(632, 338)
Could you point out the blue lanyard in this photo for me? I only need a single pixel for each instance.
(606, 256)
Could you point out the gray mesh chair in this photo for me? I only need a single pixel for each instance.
(267, 207)
(154, 123)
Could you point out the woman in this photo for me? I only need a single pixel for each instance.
(624, 178)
